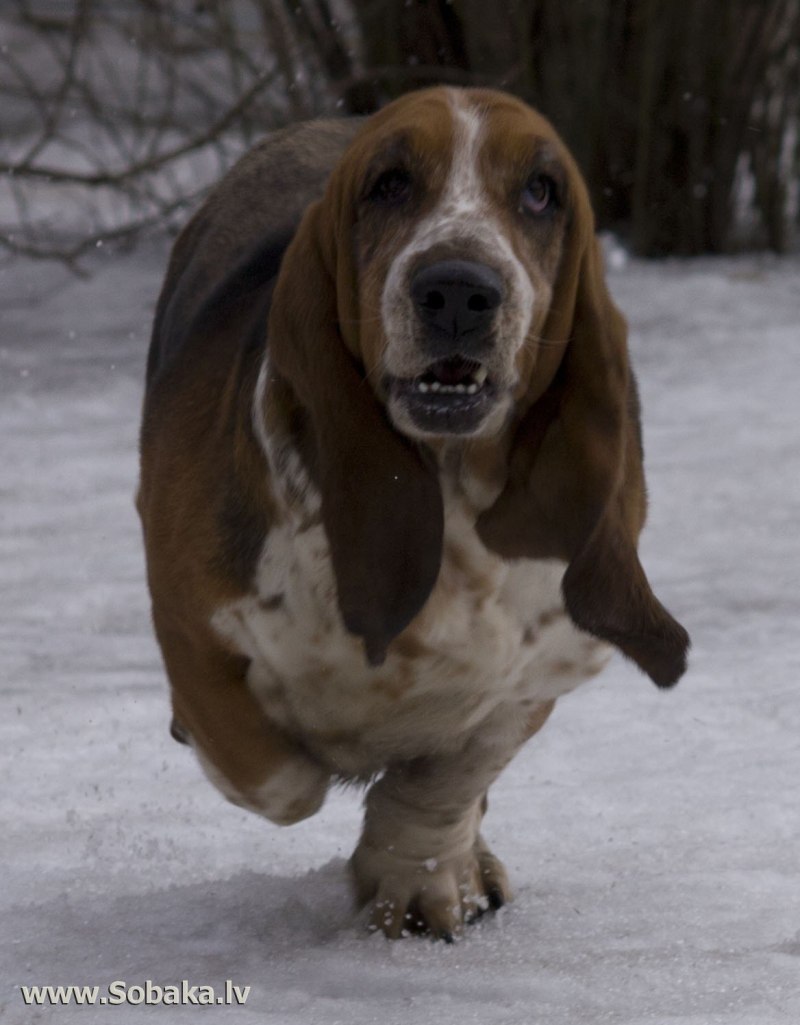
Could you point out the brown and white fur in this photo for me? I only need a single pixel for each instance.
(361, 570)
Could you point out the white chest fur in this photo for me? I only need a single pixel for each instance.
(491, 643)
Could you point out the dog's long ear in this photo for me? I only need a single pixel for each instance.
(381, 501)
(575, 485)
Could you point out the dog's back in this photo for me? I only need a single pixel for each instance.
(254, 210)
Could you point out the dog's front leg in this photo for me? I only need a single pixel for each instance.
(421, 859)
(242, 752)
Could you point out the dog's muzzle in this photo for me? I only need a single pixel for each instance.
(455, 303)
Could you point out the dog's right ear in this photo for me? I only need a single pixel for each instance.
(381, 501)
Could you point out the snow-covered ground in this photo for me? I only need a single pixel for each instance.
(654, 838)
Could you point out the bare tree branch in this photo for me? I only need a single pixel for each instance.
(114, 116)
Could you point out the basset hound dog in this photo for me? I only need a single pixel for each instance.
(391, 480)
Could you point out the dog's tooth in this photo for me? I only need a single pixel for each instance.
(460, 388)
(434, 386)
(480, 376)
(472, 390)
(421, 386)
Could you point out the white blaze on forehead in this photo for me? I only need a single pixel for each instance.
(464, 193)
(464, 209)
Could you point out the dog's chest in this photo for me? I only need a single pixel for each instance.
(492, 640)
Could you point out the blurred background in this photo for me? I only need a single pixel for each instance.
(117, 115)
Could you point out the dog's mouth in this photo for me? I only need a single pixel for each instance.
(451, 396)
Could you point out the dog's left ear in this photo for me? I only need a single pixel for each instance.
(575, 485)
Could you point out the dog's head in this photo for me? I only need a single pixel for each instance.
(462, 215)
(449, 285)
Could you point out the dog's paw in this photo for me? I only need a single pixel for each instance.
(435, 896)
(292, 792)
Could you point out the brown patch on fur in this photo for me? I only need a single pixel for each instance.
(456, 558)
(551, 616)
(408, 646)
(485, 461)
(461, 575)
(538, 718)
(396, 686)
(272, 603)
(528, 635)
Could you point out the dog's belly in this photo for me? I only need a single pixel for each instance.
(492, 642)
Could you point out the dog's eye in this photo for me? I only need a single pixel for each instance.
(539, 195)
(393, 187)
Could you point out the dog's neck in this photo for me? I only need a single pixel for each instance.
(472, 470)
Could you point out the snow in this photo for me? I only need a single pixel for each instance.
(652, 837)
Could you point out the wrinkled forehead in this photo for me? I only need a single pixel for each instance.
(433, 128)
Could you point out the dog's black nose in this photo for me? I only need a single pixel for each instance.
(456, 301)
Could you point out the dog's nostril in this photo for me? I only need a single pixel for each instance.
(478, 303)
(433, 301)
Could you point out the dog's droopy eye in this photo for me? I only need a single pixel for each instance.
(392, 187)
(539, 194)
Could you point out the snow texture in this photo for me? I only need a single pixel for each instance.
(652, 837)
